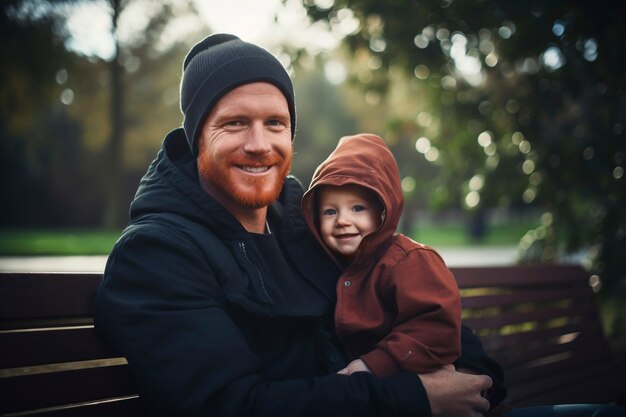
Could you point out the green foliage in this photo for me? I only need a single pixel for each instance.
(614, 320)
(522, 104)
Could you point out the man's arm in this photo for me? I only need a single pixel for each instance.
(456, 394)
(474, 360)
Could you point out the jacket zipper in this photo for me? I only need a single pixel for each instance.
(242, 246)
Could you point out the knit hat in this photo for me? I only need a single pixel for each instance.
(217, 65)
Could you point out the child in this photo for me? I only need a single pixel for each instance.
(398, 305)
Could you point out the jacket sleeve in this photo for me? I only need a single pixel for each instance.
(426, 332)
(475, 360)
(161, 306)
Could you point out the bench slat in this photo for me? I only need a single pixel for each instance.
(511, 276)
(53, 389)
(598, 390)
(36, 296)
(525, 295)
(536, 315)
(116, 407)
(496, 342)
(525, 357)
(565, 381)
(21, 349)
(532, 374)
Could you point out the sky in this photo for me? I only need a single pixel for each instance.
(267, 23)
(250, 19)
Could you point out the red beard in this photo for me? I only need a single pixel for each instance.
(247, 191)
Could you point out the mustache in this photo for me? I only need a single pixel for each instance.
(264, 160)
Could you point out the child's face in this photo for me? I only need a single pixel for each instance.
(347, 214)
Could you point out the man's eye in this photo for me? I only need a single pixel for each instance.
(234, 123)
(276, 123)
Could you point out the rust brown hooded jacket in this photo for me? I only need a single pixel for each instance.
(398, 305)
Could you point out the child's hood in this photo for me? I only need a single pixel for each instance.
(364, 160)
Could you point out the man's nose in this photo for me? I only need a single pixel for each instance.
(258, 140)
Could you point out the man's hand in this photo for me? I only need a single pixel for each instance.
(356, 365)
(456, 394)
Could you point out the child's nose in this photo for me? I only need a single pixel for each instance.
(343, 219)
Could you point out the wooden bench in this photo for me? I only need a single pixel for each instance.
(51, 361)
(540, 323)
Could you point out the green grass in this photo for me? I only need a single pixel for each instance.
(33, 242)
(454, 235)
(57, 242)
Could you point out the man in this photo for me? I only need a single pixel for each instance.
(217, 294)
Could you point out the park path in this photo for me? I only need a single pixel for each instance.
(454, 256)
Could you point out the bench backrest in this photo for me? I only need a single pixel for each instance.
(51, 361)
(540, 323)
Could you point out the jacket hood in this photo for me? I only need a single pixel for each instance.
(363, 160)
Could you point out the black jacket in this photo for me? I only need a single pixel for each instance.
(211, 325)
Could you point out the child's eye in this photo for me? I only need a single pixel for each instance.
(358, 207)
(329, 212)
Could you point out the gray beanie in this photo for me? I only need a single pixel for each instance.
(215, 66)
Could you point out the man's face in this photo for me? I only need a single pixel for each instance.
(244, 149)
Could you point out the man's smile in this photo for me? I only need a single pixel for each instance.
(254, 170)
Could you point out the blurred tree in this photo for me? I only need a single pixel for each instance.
(322, 120)
(114, 156)
(150, 72)
(32, 52)
(77, 131)
(519, 104)
(140, 45)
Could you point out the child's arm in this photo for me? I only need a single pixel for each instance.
(426, 333)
